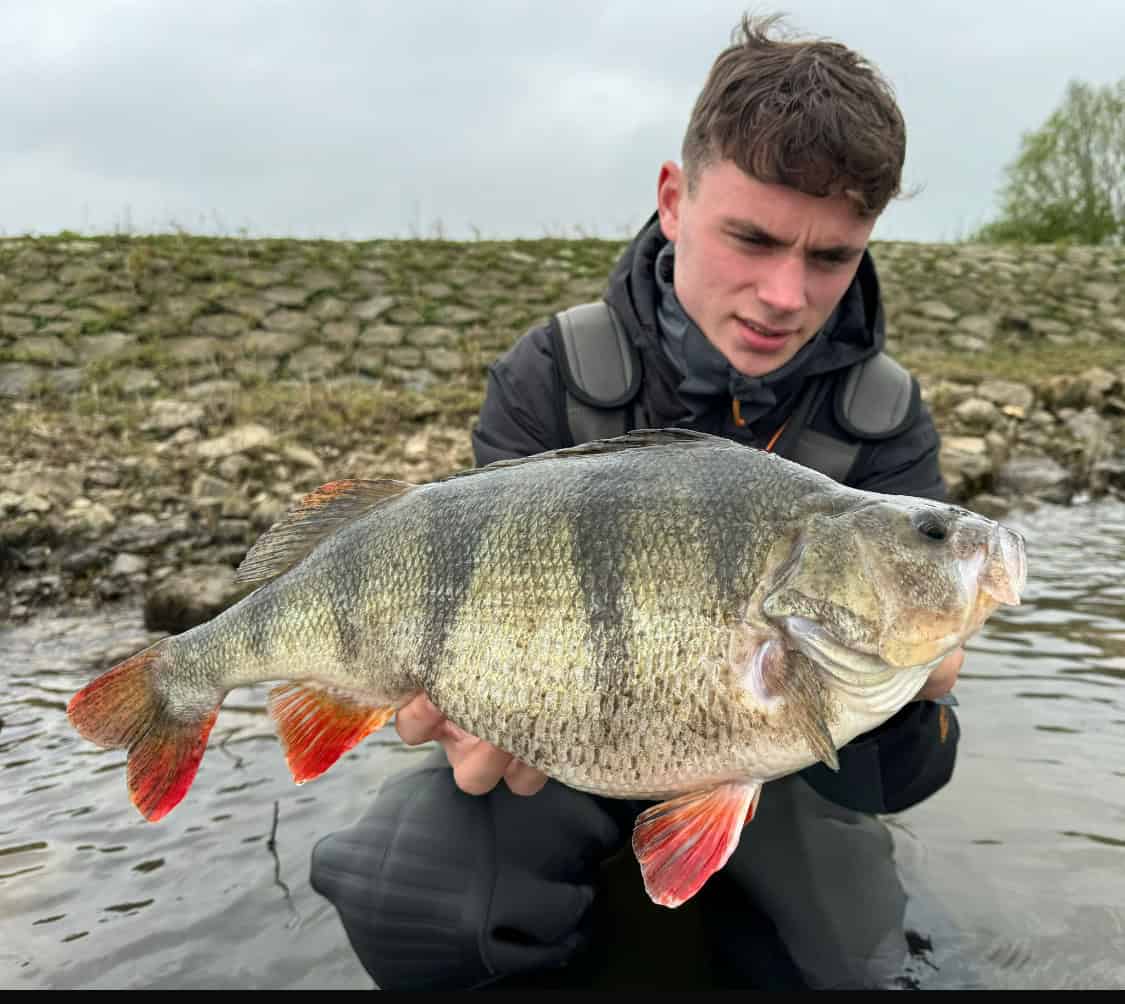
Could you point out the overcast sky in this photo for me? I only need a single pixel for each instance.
(371, 118)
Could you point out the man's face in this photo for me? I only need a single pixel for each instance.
(758, 267)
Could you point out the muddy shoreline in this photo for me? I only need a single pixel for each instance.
(160, 506)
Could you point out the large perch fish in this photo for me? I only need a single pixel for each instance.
(666, 615)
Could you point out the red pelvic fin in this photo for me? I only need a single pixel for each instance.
(318, 724)
(683, 842)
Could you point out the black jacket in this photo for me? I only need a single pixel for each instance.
(907, 758)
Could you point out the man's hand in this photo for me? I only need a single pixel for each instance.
(477, 766)
(944, 676)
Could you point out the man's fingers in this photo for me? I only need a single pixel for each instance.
(477, 766)
(417, 721)
(941, 681)
(522, 779)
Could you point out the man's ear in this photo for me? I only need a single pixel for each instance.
(671, 187)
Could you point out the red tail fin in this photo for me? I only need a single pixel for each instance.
(122, 709)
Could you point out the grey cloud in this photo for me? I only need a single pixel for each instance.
(513, 119)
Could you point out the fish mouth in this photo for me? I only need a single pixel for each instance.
(1006, 570)
(862, 676)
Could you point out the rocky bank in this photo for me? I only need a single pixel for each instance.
(164, 399)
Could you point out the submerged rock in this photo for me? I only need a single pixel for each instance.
(1035, 477)
(191, 596)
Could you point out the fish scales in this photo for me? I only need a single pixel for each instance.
(600, 611)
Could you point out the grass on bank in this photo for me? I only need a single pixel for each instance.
(330, 420)
(316, 411)
(380, 421)
(1021, 364)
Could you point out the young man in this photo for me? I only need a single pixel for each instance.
(748, 307)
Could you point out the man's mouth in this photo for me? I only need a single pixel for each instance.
(767, 330)
(765, 338)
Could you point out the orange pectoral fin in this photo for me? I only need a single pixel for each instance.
(319, 724)
(683, 842)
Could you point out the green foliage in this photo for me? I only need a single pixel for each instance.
(1068, 182)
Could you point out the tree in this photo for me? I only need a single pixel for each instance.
(1068, 182)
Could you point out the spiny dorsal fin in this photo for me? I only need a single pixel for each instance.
(320, 513)
(637, 439)
(325, 510)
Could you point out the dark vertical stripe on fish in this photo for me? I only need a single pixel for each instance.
(260, 628)
(712, 494)
(451, 541)
(347, 588)
(726, 552)
(598, 548)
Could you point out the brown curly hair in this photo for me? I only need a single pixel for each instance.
(809, 114)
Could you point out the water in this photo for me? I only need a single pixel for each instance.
(1016, 870)
(92, 895)
(1018, 867)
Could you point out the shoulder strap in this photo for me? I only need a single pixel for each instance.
(877, 399)
(827, 454)
(600, 370)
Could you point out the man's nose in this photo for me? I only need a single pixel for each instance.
(783, 287)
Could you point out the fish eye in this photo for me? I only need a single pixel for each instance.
(929, 525)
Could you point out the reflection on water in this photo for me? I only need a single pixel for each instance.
(1016, 870)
